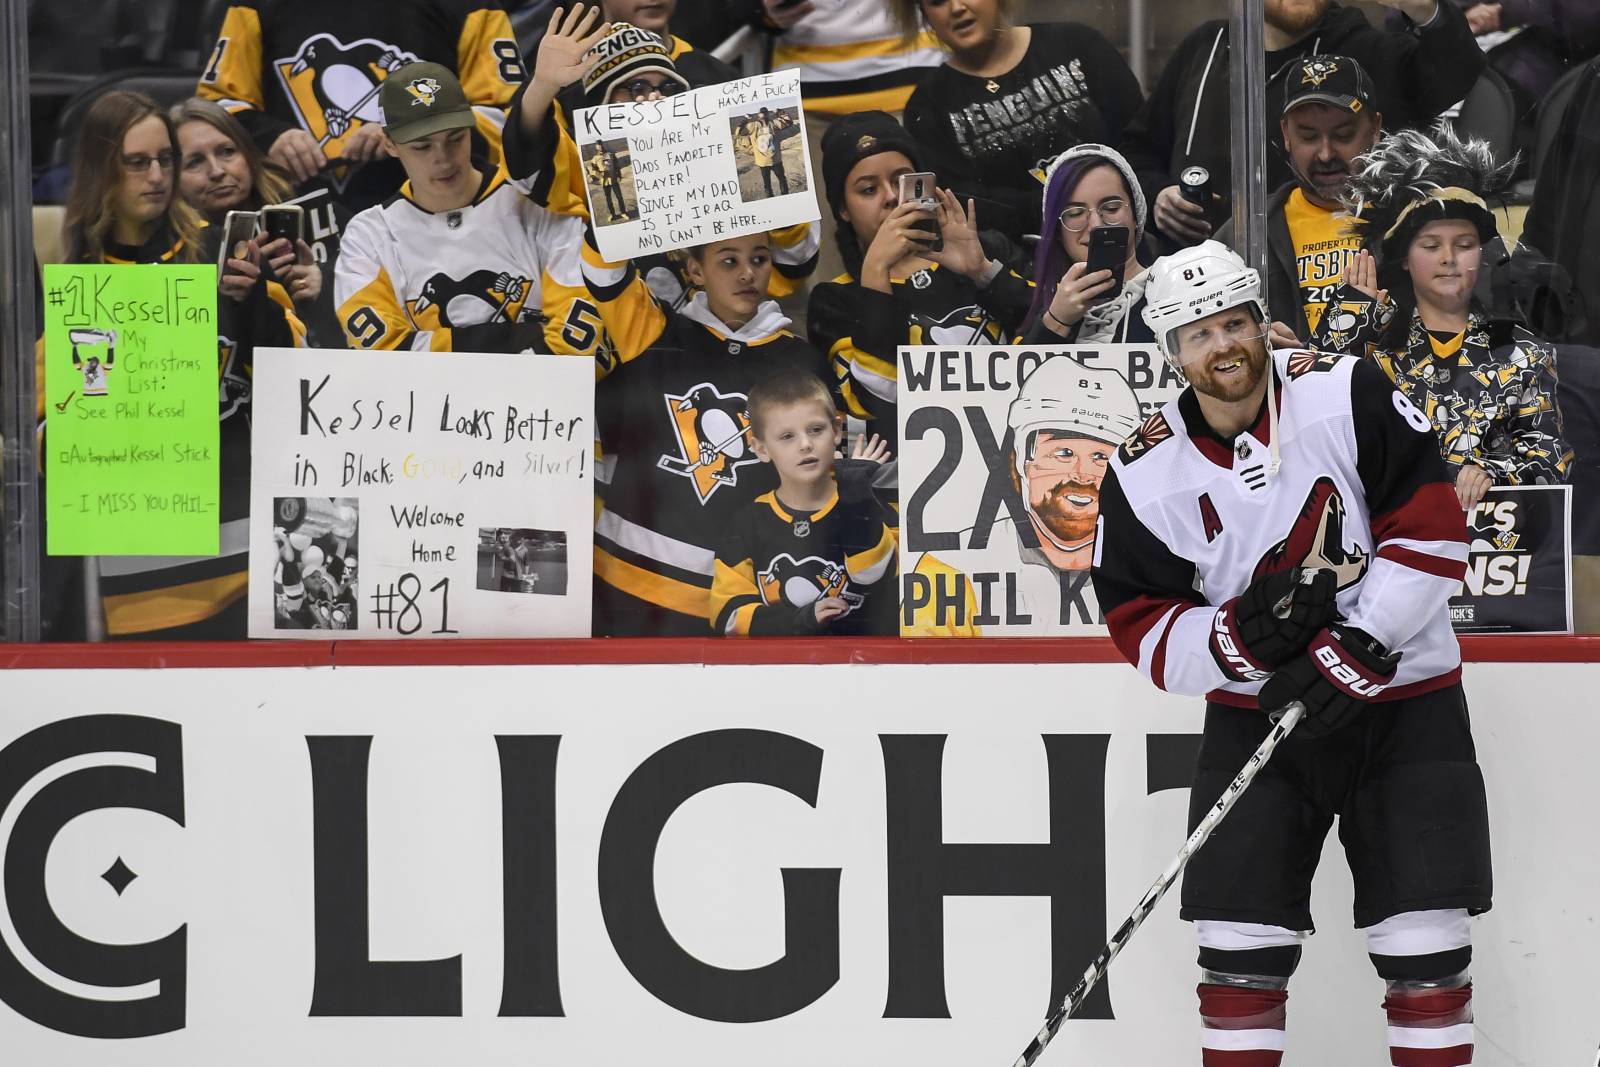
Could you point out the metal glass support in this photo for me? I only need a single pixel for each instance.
(19, 510)
(1247, 75)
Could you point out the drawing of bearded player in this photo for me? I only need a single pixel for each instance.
(1066, 421)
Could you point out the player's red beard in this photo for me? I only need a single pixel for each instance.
(1295, 16)
(1255, 365)
(1070, 523)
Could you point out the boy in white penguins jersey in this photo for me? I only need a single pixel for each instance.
(461, 259)
(1303, 482)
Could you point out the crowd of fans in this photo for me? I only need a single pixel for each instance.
(1059, 181)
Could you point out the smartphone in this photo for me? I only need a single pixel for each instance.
(921, 188)
(287, 221)
(238, 227)
(1108, 250)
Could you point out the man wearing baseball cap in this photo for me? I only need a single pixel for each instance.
(1329, 121)
(463, 259)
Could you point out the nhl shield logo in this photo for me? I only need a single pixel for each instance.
(1316, 71)
(423, 91)
(802, 528)
(712, 429)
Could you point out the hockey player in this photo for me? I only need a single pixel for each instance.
(816, 554)
(1267, 465)
(581, 65)
(461, 259)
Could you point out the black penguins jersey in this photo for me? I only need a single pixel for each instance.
(778, 562)
(862, 329)
(678, 464)
(1188, 520)
(316, 66)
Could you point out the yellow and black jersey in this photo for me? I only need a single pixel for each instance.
(1324, 242)
(558, 174)
(145, 595)
(778, 562)
(499, 275)
(679, 464)
(862, 329)
(852, 57)
(308, 64)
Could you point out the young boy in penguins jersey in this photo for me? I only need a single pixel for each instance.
(461, 259)
(817, 553)
(1302, 484)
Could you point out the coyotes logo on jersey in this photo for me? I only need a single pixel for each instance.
(1303, 363)
(712, 428)
(1154, 430)
(801, 582)
(445, 302)
(1317, 540)
(334, 86)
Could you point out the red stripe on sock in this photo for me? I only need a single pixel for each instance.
(1435, 1008)
(1226, 1008)
(1454, 1056)
(1257, 1057)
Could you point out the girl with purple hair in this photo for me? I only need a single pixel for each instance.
(1087, 187)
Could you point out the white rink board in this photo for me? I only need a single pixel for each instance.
(239, 872)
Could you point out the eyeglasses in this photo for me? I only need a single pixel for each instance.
(641, 88)
(1075, 219)
(141, 164)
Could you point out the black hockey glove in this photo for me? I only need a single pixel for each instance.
(1342, 669)
(1272, 621)
(854, 478)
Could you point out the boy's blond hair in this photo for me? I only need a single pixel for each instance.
(789, 386)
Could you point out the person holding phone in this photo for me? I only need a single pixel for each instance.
(914, 274)
(1089, 283)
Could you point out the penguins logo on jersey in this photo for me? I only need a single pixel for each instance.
(801, 582)
(1317, 540)
(333, 86)
(482, 296)
(1345, 319)
(1154, 430)
(712, 428)
(233, 381)
(963, 326)
(423, 91)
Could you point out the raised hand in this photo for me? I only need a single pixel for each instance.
(563, 55)
(1362, 276)
(962, 252)
(874, 449)
(1076, 294)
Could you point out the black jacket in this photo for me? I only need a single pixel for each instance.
(1417, 74)
(1564, 221)
(1285, 302)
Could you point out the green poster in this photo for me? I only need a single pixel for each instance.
(131, 410)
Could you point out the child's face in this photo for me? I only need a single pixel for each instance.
(799, 440)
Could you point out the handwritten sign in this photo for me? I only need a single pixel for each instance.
(131, 440)
(1519, 567)
(1001, 458)
(722, 161)
(411, 495)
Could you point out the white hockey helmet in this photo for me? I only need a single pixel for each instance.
(1195, 283)
(1067, 397)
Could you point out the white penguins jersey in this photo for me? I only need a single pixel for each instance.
(502, 268)
(1188, 521)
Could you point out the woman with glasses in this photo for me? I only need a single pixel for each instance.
(124, 208)
(1089, 188)
(1008, 98)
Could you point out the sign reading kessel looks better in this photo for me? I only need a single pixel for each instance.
(1519, 569)
(402, 495)
(130, 401)
(1002, 452)
(722, 161)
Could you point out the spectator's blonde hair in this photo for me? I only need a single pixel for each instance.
(268, 182)
(97, 171)
(784, 387)
(908, 15)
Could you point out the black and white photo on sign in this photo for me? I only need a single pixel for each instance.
(314, 583)
(517, 560)
(608, 174)
(1003, 451)
(769, 154)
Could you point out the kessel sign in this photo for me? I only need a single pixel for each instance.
(1519, 570)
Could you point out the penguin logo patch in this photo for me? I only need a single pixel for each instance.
(800, 582)
(712, 429)
(1316, 71)
(233, 380)
(333, 88)
(483, 296)
(423, 91)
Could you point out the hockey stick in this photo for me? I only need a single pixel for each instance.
(1283, 722)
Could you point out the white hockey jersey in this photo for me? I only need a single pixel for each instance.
(1188, 520)
(503, 268)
